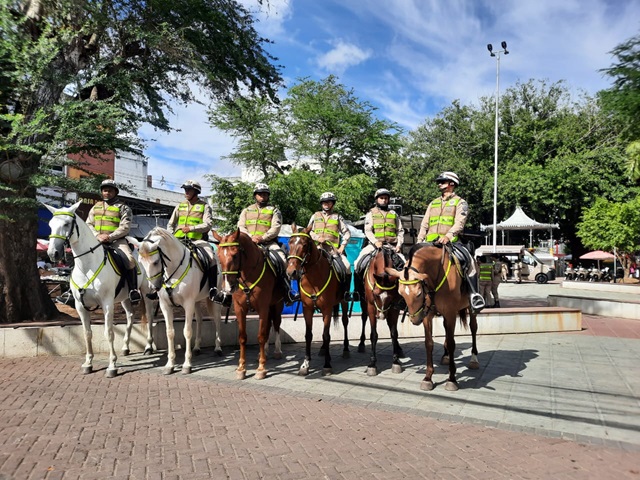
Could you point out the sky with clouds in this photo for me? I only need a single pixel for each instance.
(409, 59)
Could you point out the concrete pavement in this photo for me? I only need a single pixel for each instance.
(561, 405)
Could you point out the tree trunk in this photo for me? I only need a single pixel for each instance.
(22, 294)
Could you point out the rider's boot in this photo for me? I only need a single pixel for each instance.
(496, 304)
(349, 296)
(476, 300)
(132, 279)
(213, 281)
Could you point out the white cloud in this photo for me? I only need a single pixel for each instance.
(342, 56)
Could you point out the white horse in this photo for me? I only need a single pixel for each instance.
(93, 283)
(177, 279)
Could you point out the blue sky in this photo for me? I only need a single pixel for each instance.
(410, 59)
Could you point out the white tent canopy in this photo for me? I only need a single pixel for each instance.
(521, 221)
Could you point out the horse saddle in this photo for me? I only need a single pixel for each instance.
(459, 251)
(120, 264)
(334, 260)
(361, 266)
(275, 262)
(201, 258)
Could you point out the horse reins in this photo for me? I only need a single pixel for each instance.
(165, 278)
(313, 297)
(431, 292)
(246, 289)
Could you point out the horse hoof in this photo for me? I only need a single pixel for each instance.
(372, 371)
(196, 351)
(167, 370)
(303, 372)
(148, 351)
(261, 374)
(475, 365)
(361, 349)
(87, 370)
(241, 374)
(444, 360)
(327, 371)
(451, 386)
(426, 385)
(111, 373)
(396, 368)
(186, 370)
(125, 352)
(218, 352)
(277, 355)
(346, 354)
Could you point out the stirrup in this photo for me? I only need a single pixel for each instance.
(477, 302)
(152, 296)
(351, 297)
(292, 297)
(134, 296)
(212, 293)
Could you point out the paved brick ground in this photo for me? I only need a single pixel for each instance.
(56, 423)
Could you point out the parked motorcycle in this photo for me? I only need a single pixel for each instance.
(582, 274)
(606, 275)
(594, 274)
(569, 273)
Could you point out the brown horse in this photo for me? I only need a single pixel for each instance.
(253, 285)
(379, 299)
(431, 283)
(320, 289)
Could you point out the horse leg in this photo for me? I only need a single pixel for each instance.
(345, 327)
(445, 354)
(128, 310)
(167, 312)
(148, 314)
(85, 318)
(427, 383)
(474, 363)
(241, 318)
(197, 309)
(107, 308)
(392, 322)
(372, 368)
(276, 316)
(189, 309)
(263, 340)
(450, 327)
(326, 340)
(308, 336)
(215, 312)
(364, 318)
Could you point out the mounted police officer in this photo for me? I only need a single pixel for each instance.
(110, 222)
(193, 219)
(381, 226)
(331, 232)
(262, 222)
(444, 221)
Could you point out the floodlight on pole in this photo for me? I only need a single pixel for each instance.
(496, 54)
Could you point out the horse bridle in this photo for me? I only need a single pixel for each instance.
(240, 281)
(67, 238)
(304, 260)
(163, 269)
(427, 291)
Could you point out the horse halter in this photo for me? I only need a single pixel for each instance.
(426, 290)
(304, 259)
(67, 238)
(246, 289)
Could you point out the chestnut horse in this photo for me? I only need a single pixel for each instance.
(320, 289)
(247, 276)
(431, 283)
(379, 299)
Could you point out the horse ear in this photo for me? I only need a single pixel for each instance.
(50, 208)
(133, 241)
(74, 207)
(392, 272)
(308, 229)
(294, 227)
(216, 235)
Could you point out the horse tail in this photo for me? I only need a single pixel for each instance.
(463, 318)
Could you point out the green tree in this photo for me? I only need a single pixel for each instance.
(83, 76)
(611, 226)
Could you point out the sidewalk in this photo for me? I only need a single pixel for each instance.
(548, 405)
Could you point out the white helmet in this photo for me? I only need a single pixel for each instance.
(192, 184)
(448, 176)
(261, 188)
(382, 191)
(327, 197)
(108, 183)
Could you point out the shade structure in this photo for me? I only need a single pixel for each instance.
(521, 221)
(41, 246)
(597, 255)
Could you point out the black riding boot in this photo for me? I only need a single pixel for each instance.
(213, 282)
(132, 280)
(349, 296)
(476, 300)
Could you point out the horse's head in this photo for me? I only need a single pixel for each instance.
(300, 249)
(64, 229)
(229, 255)
(379, 263)
(155, 253)
(412, 286)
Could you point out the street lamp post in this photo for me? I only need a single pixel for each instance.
(496, 54)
